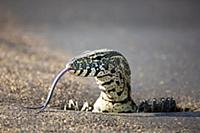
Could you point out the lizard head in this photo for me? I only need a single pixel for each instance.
(90, 63)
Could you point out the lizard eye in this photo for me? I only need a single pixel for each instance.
(98, 58)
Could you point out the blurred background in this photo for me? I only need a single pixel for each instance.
(159, 38)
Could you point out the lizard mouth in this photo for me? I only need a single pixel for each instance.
(70, 68)
(72, 71)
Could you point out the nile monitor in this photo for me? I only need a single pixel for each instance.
(112, 73)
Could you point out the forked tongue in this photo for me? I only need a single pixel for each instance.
(52, 88)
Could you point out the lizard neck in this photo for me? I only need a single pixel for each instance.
(115, 93)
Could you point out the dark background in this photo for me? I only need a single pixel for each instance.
(160, 38)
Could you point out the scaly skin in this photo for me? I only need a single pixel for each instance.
(112, 73)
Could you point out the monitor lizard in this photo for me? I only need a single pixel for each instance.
(113, 75)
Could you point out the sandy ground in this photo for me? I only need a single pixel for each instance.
(27, 68)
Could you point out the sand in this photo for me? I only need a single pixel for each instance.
(27, 67)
